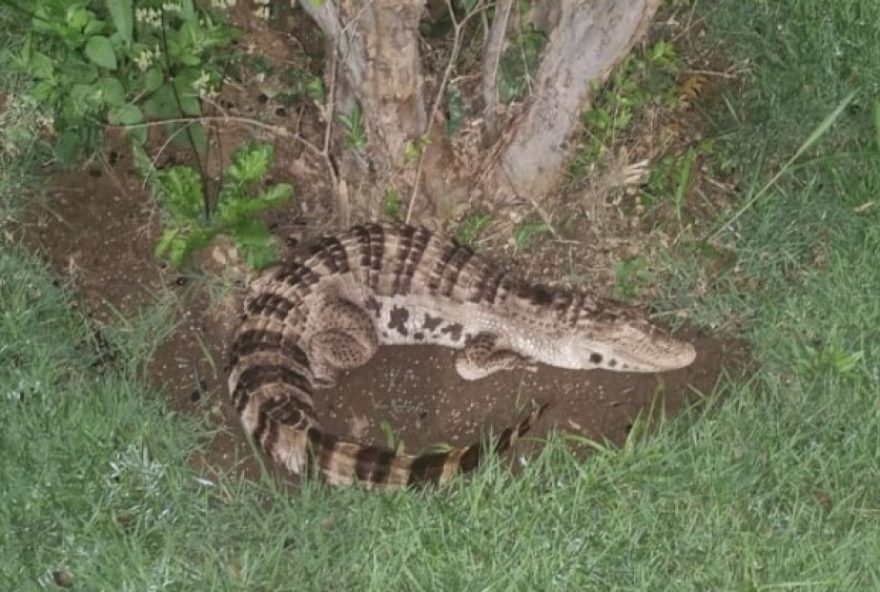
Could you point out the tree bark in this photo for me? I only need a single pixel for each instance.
(590, 39)
(378, 45)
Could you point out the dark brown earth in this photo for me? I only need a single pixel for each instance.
(98, 229)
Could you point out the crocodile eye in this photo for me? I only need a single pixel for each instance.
(596, 358)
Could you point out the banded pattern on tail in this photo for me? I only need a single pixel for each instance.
(306, 321)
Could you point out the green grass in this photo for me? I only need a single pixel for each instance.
(773, 484)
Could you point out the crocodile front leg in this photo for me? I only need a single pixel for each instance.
(481, 357)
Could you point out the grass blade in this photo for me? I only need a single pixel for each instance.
(814, 137)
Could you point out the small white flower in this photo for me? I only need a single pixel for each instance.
(201, 82)
(148, 16)
(144, 60)
(202, 85)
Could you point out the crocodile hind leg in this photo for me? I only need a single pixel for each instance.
(481, 357)
(345, 338)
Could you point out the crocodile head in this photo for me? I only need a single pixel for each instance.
(615, 337)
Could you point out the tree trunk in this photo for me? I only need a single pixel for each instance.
(589, 40)
(517, 150)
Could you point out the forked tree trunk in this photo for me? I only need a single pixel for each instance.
(518, 151)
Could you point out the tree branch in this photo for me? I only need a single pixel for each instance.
(491, 58)
(348, 46)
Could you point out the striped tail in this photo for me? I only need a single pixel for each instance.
(311, 451)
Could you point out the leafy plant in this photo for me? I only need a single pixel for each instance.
(525, 232)
(290, 86)
(315, 90)
(471, 227)
(392, 205)
(392, 440)
(648, 78)
(122, 65)
(127, 64)
(454, 109)
(353, 123)
(413, 149)
(518, 65)
(299, 85)
(670, 180)
(831, 358)
(239, 204)
(631, 276)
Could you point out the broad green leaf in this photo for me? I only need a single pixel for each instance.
(44, 91)
(121, 14)
(41, 66)
(187, 10)
(138, 135)
(112, 92)
(153, 79)
(78, 17)
(79, 70)
(94, 27)
(27, 51)
(187, 95)
(69, 147)
(84, 97)
(125, 115)
(162, 104)
(190, 135)
(100, 51)
(181, 45)
(200, 139)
